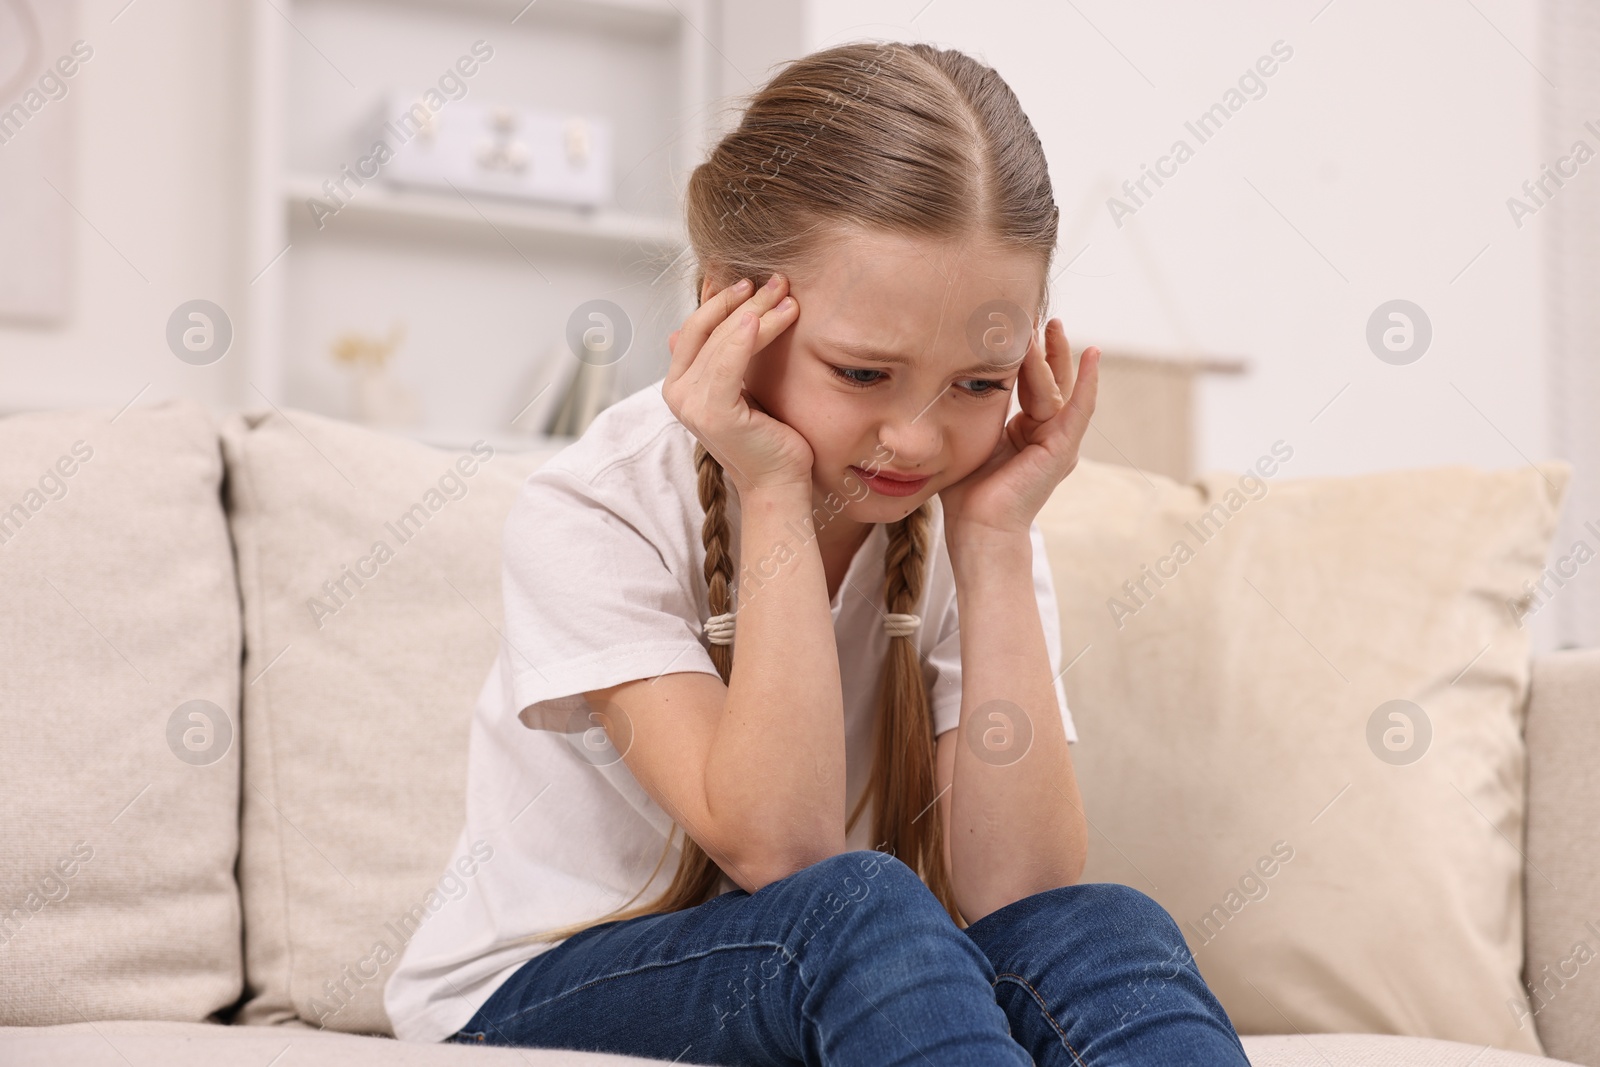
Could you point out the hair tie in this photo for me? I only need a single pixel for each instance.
(897, 624)
(719, 628)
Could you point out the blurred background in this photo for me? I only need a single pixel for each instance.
(1365, 230)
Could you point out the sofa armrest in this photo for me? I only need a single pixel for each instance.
(1562, 878)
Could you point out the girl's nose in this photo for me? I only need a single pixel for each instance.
(912, 444)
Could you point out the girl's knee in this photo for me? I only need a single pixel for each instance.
(859, 889)
(1135, 910)
(854, 876)
(1105, 899)
(1118, 899)
(1088, 908)
(865, 908)
(1126, 930)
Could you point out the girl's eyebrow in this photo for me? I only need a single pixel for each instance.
(872, 354)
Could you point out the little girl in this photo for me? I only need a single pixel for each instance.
(857, 841)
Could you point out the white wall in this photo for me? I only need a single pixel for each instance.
(1375, 166)
(159, 180)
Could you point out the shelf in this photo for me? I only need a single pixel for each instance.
(376, 202)
(651, 18)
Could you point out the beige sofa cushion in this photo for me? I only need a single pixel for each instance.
(135, 1042)
(1563, 876)
(117, 896)
(356, 713)
(1238, 759)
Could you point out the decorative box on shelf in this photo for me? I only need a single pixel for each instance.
(495, 149)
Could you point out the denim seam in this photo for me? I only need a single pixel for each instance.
(639, 970)
(1043, 1011)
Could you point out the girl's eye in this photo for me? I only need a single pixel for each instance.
(994, 387)
(844, 374)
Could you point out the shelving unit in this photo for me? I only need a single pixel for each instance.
(425, 212)
(482, 285)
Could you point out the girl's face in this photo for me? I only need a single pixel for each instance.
(936, 411)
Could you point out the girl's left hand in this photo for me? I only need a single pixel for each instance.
(1038, 449)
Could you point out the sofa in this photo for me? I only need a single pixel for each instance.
(241, 650)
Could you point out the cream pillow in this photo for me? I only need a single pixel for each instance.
(120, 623)
(358, 693)
(1337, 862)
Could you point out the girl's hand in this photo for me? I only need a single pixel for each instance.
(1038, 449)
(705, 386)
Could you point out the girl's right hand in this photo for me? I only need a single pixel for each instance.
(705, 386)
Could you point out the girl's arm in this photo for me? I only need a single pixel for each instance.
(775, 772)
(1014, 826)
(755, 770)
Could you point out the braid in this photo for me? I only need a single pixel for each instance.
(697, 874)
(903, 780)
(714, 535)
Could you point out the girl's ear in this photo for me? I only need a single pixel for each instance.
(709, 287)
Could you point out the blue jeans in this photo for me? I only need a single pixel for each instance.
(853, 961)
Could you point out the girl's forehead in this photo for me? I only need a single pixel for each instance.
(885, 266)
(865, 295)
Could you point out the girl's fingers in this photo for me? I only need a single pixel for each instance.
(1080, 387)
(749, 329)
(1040, 397)
(700, 324)
(728, 357)
(722, 355)
(1080, 405)
(1025, 398)
(1061, 362)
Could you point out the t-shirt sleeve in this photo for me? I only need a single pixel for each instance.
(944, 662)
(589, 601)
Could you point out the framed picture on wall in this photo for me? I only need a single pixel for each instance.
(39, 60)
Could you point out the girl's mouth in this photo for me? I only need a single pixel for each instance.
(880, 483)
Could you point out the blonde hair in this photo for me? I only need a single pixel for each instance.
(894, 137)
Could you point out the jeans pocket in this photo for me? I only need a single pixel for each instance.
(467, 1037)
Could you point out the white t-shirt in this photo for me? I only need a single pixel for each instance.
(603, 582)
